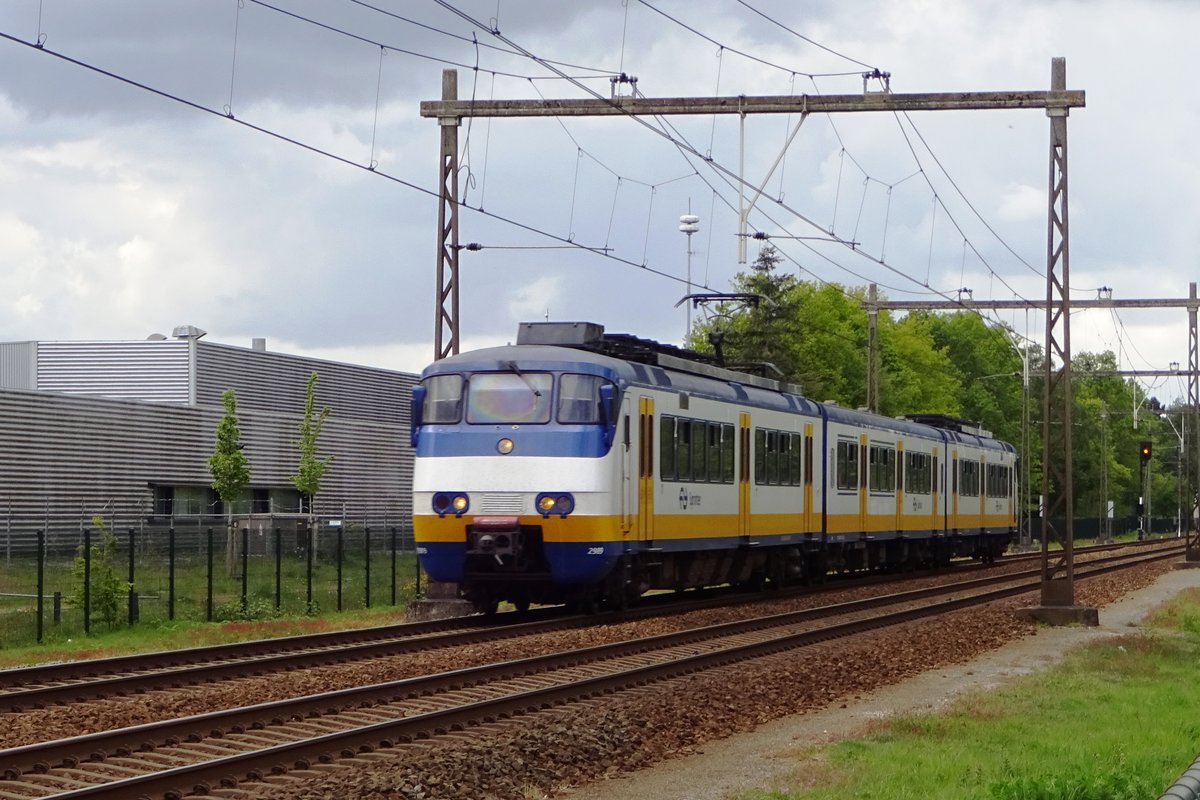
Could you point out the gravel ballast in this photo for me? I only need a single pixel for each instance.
(547, 754)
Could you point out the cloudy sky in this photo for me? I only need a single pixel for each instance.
(125, 213)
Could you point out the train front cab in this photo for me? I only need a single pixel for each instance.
(514, 476)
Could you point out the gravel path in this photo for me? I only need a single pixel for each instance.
(765, 757)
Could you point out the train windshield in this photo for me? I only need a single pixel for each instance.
(579, 398)
(509, 397)
(443, 399)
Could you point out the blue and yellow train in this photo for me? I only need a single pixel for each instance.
(588, 468)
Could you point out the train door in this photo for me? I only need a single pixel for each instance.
(981, 487)
(629, 488)
(808, 477)
(899, 487)
(1012, 493)
(953, 490)
(645, 468)
(744, 474)
(936, 479)
(862, 482)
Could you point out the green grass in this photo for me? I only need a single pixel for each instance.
(18, 619)
(1115, 721)
(188, 633)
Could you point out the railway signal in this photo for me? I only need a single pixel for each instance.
(1145, 453)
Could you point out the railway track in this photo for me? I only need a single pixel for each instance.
(199, 754)
(40, 686)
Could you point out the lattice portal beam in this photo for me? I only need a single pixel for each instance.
(450, 111)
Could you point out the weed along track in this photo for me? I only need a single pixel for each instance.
(255, 747)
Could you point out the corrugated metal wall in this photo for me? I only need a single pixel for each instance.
(154, 371)
(67, 457)
(18, 365)
(270, 381)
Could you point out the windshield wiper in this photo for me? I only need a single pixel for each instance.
(512, 365)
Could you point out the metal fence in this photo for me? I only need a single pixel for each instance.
(58, 584)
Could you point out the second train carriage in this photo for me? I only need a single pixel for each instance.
(581, 467)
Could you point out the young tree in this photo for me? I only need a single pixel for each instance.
(230, 470)
(107, 588)
(312, 467)
(228, 465)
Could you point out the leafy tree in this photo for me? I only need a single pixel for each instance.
(228, 464)
(916, 376)
(312, 467)
(810, 335)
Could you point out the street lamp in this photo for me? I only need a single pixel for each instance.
(689, 224)
(1178, 477)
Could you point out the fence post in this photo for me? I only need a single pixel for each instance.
(57, 609)
(132, 561)
(87, 581)
(340, 551)
(41, 582)
(367, 559)
(278, 567)
(209, 602)
(417, 562)
(311, 542)
(171, 573)
(393, 565)
(245, 570)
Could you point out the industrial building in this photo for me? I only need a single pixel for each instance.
(124, 430)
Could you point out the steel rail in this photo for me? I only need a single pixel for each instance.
(44, 685)
(136, 738)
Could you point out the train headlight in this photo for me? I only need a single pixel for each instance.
(455, 503)
(504, 446)
(560, 503)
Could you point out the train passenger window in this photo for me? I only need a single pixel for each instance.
(509, 397)
(773, 458)
(760, 455)
(881, 475)
(714, 452)
(999, 480)
(969, 482)
(443, 399)
(579, 398)
(699, 450)
(847, 465)
(683, 450)
(666, 443)
(918, 473)
(727, 455)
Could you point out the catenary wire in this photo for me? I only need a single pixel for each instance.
(319, 151)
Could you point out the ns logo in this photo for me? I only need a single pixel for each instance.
(687, 499)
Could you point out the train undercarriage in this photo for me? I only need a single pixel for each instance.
(510, 565)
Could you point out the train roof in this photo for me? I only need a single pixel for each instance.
(585, 347)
